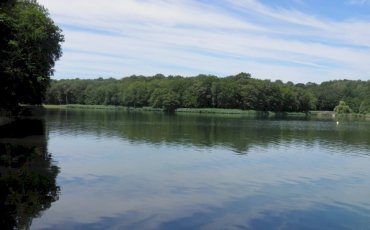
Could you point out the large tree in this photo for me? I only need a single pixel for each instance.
(30, 43)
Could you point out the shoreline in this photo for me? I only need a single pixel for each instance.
(39, 110)
(210, 111)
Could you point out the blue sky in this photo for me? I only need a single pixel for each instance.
(291, 40)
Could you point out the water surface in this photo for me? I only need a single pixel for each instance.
(130, 170)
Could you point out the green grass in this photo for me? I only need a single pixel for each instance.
(75, 106)
(54, 106)
(179, 110)
(239, 112)
(99, 107)
(215, 110)
(322, 113)
(318, 114)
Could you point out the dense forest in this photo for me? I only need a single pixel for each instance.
(239, 91)
(30, 44)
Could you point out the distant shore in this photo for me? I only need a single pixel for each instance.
(318, 114)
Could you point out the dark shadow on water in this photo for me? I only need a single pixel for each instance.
(22, 128)
(27, 174)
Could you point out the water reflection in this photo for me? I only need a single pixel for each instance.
(238, 133)
(153, 171)
(27, 174)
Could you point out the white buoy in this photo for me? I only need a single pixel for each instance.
(337, 122)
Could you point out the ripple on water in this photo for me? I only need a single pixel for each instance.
(158, 172)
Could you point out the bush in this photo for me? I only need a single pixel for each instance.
(342, 108)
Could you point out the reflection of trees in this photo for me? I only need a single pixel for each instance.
(27, 174)
(238, 133)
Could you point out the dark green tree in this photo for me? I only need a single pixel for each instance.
(166, 99)
(30, 43)
(365, 106)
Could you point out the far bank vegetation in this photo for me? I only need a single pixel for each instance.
(239, 91)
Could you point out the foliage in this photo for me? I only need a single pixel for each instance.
(365, 106)
(30, 45)
(169, 93)
(165, 99)
(342, 108)
(240, 91)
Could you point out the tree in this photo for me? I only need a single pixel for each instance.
(166, 99)
(137, 94)
(226, 94)
(342, 108)
(365, 106)
(30, 45)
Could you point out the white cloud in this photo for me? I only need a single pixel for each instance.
(121, 38)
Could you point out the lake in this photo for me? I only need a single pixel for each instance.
(79, 169)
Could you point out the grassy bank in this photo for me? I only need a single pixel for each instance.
(241, 112)
(72, 106)
(313, 114)
(179, 110)
(215, 110)
(100, 107)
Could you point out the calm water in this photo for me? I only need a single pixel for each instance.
(120, 170)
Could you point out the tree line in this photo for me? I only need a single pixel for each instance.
(239, 91)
